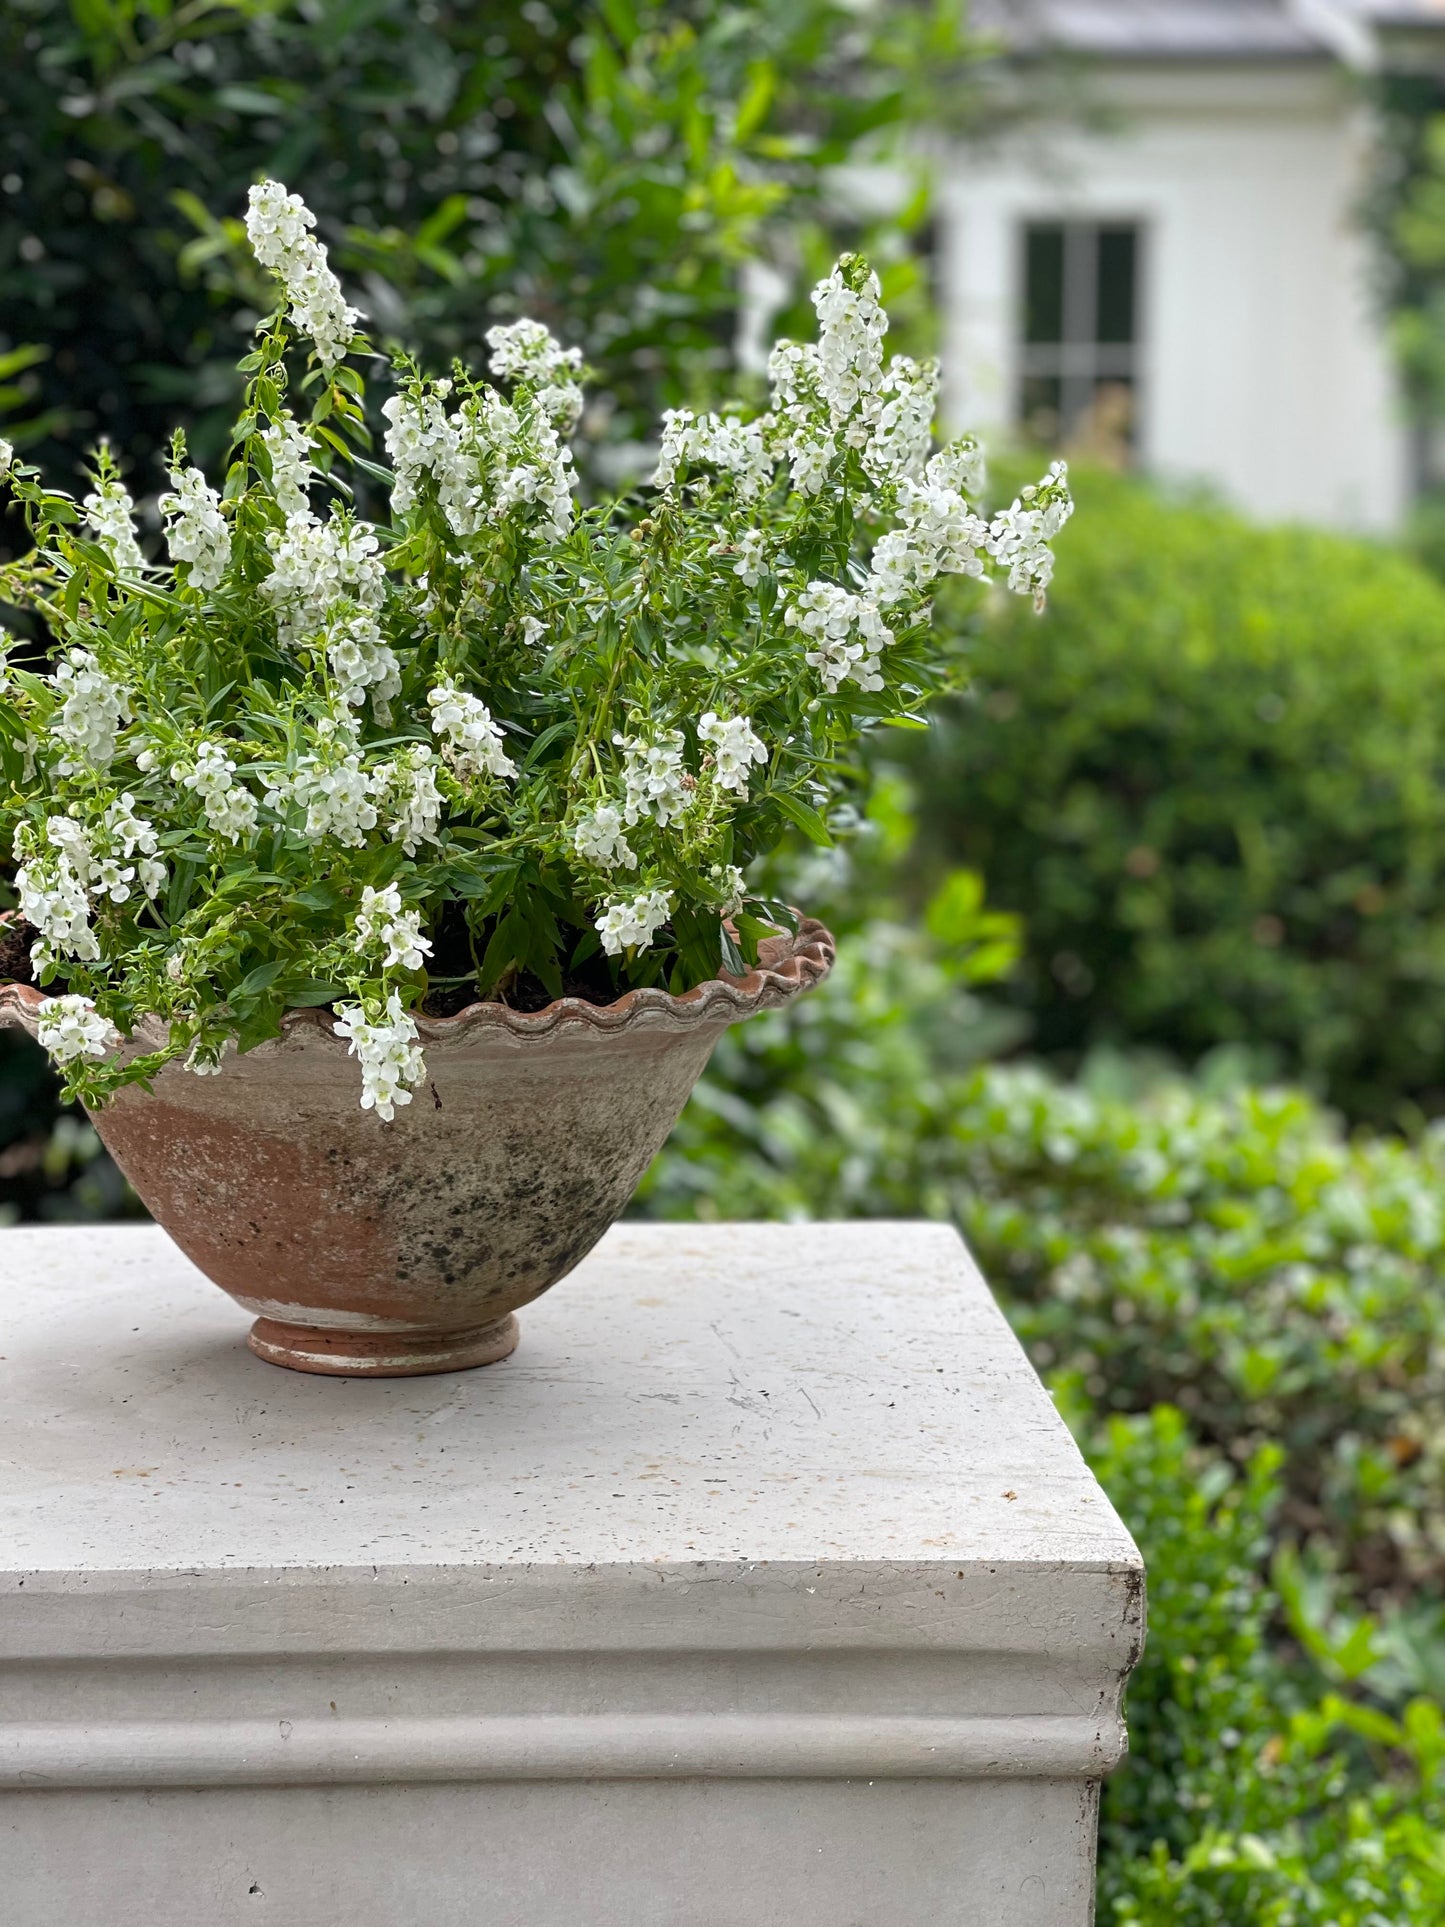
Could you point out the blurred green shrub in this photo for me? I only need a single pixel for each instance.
(1210, 779)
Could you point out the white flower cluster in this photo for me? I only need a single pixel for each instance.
(730, 880)
(228, 806)
(7, 459)
(328, 585)
(737, 448)
(752, 560)
(55, 880)
(92, 710)
(937, 534)
(382, 924)
(389, 1053)
(278, 226)
(336, 793)
(1019, 537)
(472, 744)
(847, 632)
(196, 530)
(657, 786)
(485, 459)
(108, 516)
(801, 421)
(340, 798)
(851, 327)
(72, 1027)
(288, 448)
(408, 791)
(838, 394)
(598, 838)
(900, 420)
(632, 925)
(526, 351)
(53, 893)
(735, 745)
(123, 835)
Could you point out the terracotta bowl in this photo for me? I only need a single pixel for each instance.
(366, 1249)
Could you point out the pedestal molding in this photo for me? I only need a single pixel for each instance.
(52, 1755)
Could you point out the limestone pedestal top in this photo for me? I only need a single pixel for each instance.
(763, 1573)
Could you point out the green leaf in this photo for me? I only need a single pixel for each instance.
(804, 816)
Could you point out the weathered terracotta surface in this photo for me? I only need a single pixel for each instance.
(370, 1249)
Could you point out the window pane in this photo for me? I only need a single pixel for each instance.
(1117, 252)
(1044, 283)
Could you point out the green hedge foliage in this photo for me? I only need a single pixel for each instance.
(1212, 780)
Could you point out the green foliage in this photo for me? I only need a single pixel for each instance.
(1209, 780)
(606, 166)
(1246, 1801)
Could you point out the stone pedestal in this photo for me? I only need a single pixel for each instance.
(761, 1584)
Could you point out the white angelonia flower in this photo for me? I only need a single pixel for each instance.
(730, 881)
(1019, 536)
(937, 534)
(424, 440)
(959, 466)
(472, 744)
(362, 661)
(196, 530)
(736, 448)
(901, 424)
(381, 922)
(735, 746)
(108, 512)
(486, 459)
(531, 467)
(533, 630)
(278, 227)
(53, 892)
(133, 836)
(598, 838)
(315, 565)
(752, 562)
(71, 1027)
(92, 710)
(632, 925)
(389, 1053)
(289, 447)
(801, 420)
(228, 806)
(657, 785)
(408, 791)
(206, 1056)
(847, 633)
(336, 793)
(851, 327)
(7, 459)
(526, 351)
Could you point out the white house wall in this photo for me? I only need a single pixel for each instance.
(1264, 370)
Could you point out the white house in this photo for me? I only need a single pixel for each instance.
(1179, 268)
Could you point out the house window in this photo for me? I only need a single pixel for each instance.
(1080, 335)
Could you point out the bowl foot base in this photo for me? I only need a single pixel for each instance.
(360, 1354)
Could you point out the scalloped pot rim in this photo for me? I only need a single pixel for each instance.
(787, 965)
